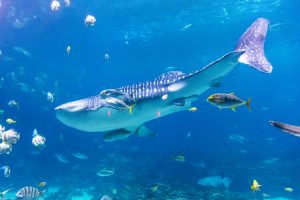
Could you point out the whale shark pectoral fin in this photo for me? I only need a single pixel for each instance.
(116, 135)
(143, 131)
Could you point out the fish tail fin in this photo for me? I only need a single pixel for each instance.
(226, 182)
(34, 133)
(42, 193)
(252, 43)
(130, 109)
(248, 104)
(2, 194)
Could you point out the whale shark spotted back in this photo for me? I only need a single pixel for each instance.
(249, 50)
(155, 88)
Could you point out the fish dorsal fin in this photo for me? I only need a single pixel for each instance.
(231, 93)
(35, 133)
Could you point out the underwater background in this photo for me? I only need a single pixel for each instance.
(144, 39)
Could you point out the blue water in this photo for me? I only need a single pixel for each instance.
(143, 38)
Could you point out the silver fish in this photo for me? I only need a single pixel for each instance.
(105, 172)
(13, 104)
(215, 181)
(10, 136)
(6, 171)
(186, 27)
(5, 148)
(22, 51)
(38, 140)
(61, 158)
(80, 156)
(237, 138)
(117, 99)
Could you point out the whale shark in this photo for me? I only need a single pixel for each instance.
(123, 111)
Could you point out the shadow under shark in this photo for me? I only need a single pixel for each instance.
(122, 112)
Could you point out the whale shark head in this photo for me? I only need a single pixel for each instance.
(80, 114)
(69, 113)
(97, 113)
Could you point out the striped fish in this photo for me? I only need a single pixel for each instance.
(231, 101)
(29, 193)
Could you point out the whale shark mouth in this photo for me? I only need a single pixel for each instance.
(73, 106)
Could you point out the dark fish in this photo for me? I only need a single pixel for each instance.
(29, 193)
(294, 130)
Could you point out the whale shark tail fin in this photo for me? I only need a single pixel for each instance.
(252, 42)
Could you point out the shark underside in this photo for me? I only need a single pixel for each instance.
(122, 112)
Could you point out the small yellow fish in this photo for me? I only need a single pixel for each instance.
(130, 109)
(193, 109)
(179, 158)
(288, 189)
(10, 121)
(255, 186)
(42, 184)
